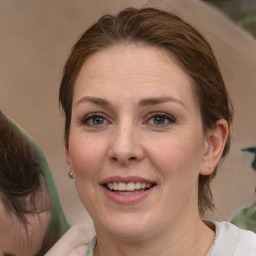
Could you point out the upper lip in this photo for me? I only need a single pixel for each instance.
(126, 180)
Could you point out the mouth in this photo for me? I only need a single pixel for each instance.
(128, 188)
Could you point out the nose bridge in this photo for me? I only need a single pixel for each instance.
(125, 145)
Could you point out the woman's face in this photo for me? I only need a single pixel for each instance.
(136, 144)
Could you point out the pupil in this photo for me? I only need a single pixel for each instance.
(159, 120)
(98, 120)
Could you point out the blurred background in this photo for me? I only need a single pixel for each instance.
(35, 39)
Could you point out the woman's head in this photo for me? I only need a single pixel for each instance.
(160, 30)
(24, 199)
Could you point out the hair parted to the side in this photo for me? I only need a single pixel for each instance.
(156, 28)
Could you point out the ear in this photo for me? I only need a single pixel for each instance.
(67, 158)
(214, 146)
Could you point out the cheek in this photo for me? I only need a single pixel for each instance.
(87, 156)
(178, 164)
(175, 158)
(87, 159)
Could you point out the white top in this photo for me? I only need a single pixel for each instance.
(229, 241)
(232, 241)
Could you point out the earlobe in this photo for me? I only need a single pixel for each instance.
(215, 143)
(67, 158)
(69, 165)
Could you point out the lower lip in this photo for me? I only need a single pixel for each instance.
(127, 199)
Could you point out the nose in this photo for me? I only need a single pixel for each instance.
(126, 147)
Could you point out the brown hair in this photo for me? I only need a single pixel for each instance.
(151, 27)
(23, 188)
(20, 170)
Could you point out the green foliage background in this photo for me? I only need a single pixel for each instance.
(242, 12)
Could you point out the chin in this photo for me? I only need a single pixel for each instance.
(131, 234)
(129, 229)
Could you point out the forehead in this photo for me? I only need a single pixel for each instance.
(133, 69)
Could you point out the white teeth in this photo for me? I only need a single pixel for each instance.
(138, 185)
(110, 186)
(131, 186)
(121, 186)
(115, 186)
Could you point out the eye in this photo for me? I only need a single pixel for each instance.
(160, 119)
(94, 119)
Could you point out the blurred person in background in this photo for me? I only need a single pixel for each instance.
(31, 218)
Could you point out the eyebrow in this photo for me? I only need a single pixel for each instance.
(156, 101)
(94, 100)
(143, 102)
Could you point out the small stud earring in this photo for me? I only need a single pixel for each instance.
(70, 175)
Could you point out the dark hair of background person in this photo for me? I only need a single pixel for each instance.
(22, 178)
(20, 171)
(151, 27)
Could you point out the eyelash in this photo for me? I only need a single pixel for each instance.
(168, 117)
(85, 120)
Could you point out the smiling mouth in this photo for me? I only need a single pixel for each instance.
(128, 188)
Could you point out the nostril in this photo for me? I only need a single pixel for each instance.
(114, 158)
(124, 159)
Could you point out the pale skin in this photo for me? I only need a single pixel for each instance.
(134, 113)
(14, 240)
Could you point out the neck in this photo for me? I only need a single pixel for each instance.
(192, 238)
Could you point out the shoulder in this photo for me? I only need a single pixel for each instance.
(74, 242)
(232, 240)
